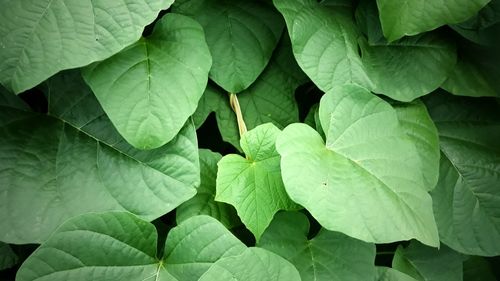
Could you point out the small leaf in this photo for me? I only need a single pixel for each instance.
(324, 41)
(253, 264)
(203, 203)
(467, 196)
(241, 36)
(389, 274)
(73, 161)
(328, 256)
(424, 263)
(119, 246)
(7, 257)
(411, 17)
(151, 88)
(408, 68)
(253, 185)
(367, 168)
(39, 38)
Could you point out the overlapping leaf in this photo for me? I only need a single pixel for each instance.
(253, 185)
(119, 246)
(328, 256)
(151, 88)
(411, 17)
(253, 264)
(72, 161)
(389, 274)
(203, 203)
(324, 41)
(241, 36)
(467, 196)
(38, 38)
(7, 256)
(481, 28)
(367, 168)
(424, 263)
(408, 68)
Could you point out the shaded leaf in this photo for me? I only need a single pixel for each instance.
(151, 88)
(478, 269)
(7, 257)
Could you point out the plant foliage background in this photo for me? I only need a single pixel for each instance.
(249, 140)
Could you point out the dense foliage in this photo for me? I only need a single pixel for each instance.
(249, 140)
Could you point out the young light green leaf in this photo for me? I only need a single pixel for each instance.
(120, 246)
(151, 88)
(324, 41)
(39, 38)
(253, 184)
(253, 264)
(411, 17)
(72, 161)
(241, 36)
(328, 256)
(425, 264)
(389, 274)
(408, 68)
(467, 196)
(7, 257)
(417, 124)
(270, 99)
(368, 167)
(203, 203)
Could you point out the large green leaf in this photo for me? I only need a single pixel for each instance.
(324, 41)
(368, 167)
(7, 257)
(120, 246)
(467, 196)
(253, 264)
(203, 203)
(407, 68)
(253, 184)
(426, 264)
(328, 256)
(151, 88)
(417, 124)
(270, 99)
(38, 38)
(72, 161)
(389, 274)
(241, 36)
(411, 17)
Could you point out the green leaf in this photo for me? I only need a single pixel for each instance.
(417, 124)
(38, 38)
(389, 274)
(478, 269)
(480, 28)
(368, 167)
(324, 41)
(7, 257)
(411, 17)
(203, 203)
(241, 36)
(467, 196)
(120, 246)
(328, 256)
(468, 78)
(72, 161)
(253, 184)
(408, 68)
(151, 88)
(424, 263)
(253, 264)
(270, 99)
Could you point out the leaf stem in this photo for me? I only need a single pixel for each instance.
(235, 105)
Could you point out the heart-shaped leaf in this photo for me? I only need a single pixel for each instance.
(328, 256)
(73, 161)
(151, 88)
(39, 38)
(368, 167)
